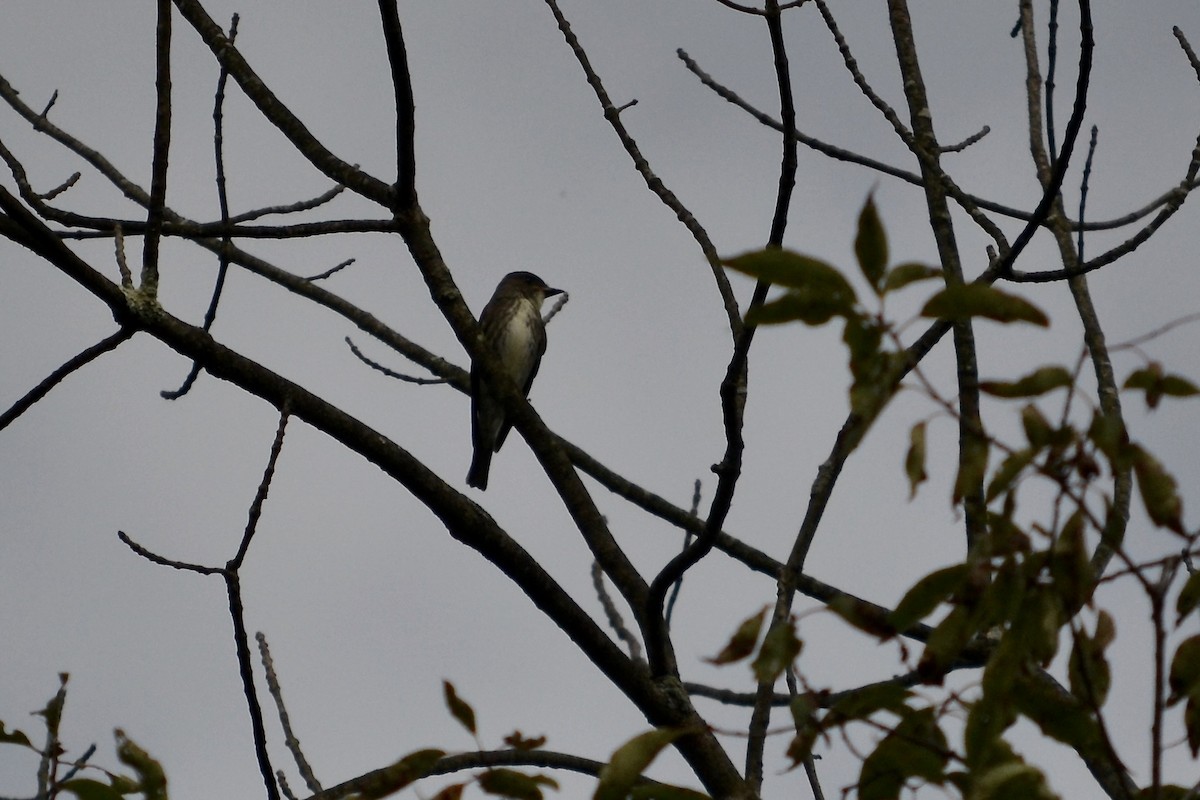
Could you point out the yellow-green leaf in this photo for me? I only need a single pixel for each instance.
(817, 291)
(393, 778)
(459, 708)
(664, 791)
(1038, 429)
(927, 594)
(1186, 603)
(13, 737)
(511, 783)
(785, 268)
(1038, 382)
(870, 245)
(1191, 724)
(972, 466)
(1184, 677)
(1159, 491)
(630, 760)
(1155, 383)
(902, 275)
(1008, 471)
(916, 748)
(914, 459)
(153, 780)
(88, 789)
(779, 649)
(980, 300)
(741, 644)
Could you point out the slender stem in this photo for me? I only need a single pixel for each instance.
(162, 149)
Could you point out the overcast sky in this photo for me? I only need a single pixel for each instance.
(368, 604)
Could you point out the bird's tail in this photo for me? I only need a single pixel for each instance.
(481, 464)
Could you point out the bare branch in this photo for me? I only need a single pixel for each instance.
(76, 362)
(391, 373)
(965, 143)
(162, 149)
(210, 314)
(655, 184)
(289, 737)
(406, 160)
(277, 113)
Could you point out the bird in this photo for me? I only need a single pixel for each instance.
(515, 334)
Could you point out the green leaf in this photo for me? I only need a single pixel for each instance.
(1184, 677)
(862, 703)
(779, 649)
(811, 306)
(972, 466)
(927, 594)
(808, 727)
(987, 719)
(870, 245)
(817, 292)
(741, 644)
(88, 789)
(902, 275)
(1191, 724)
(1109, 435)
(630, 760)
(915, 749)
(1012, 780)
(452, 792)
(1059, 715)
(1038, 430)
(863, 616)
(13, 737)
(152, 778)
(511, 783)
(1036, 383)
(1088, 670)
(946, 641)
(459, 708)
(664, 791)
(914, 459)
(1157, 384)
(393, 778)
(1070, 566)
(965, 301)
(785, 268)
(1007, 472)
(1186, 603)
(1037, 622)
(1159, 491)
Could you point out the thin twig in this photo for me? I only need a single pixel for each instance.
(653, 182)
(390, 373)
(687, 540)
(613, 615)
(62, 187)
(289, 737)
(260, 496)
(56, 377)
(278, 113)
(965, 200)
(162, 149)
(1051, 193)
(406, 160)
(320, 276)
(210, 314)
(967, 142)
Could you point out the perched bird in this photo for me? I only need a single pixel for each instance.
(513, 328)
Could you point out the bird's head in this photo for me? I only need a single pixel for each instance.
(529, 285)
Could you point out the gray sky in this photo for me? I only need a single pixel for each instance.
(367, 602)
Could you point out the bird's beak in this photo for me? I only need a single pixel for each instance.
(548, 292)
